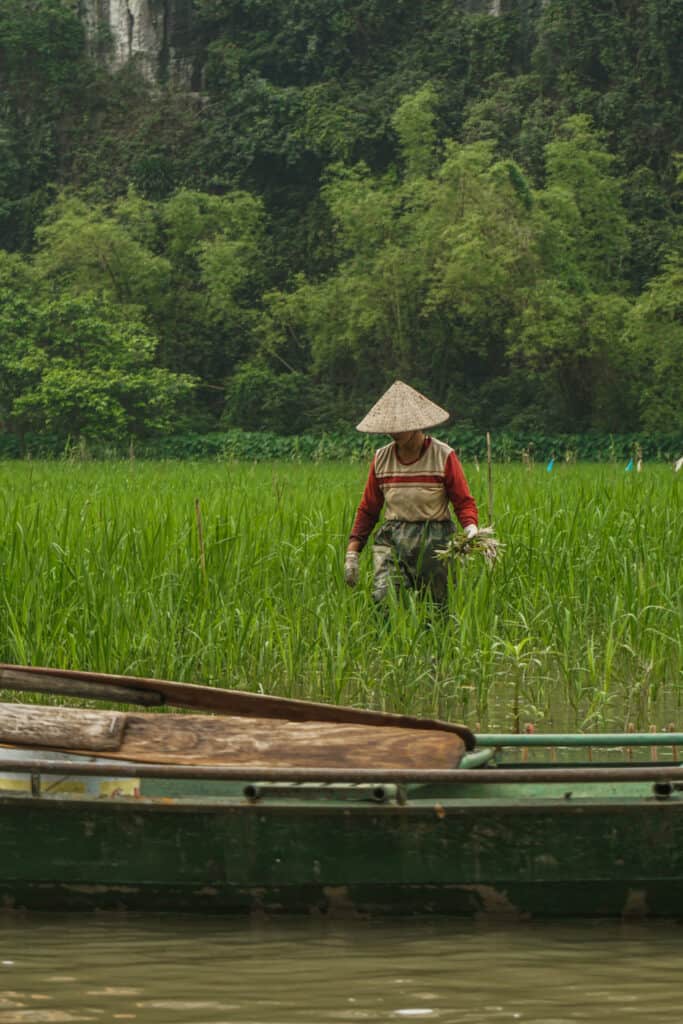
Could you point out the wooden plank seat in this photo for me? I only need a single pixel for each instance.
(224, 740)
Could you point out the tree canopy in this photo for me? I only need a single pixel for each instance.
(487, 207)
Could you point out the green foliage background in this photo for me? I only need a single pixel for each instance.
(340, 194)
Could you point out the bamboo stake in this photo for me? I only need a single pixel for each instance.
(200, 535)
(490, 476)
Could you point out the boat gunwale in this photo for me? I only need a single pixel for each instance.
(526, 774)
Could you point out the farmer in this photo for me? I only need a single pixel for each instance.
(414, 478)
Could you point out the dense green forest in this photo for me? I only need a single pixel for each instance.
(346, 192)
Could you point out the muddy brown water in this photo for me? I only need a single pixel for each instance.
(172, 970)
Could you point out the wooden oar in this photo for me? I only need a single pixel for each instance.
(54, 681)
(150, 692)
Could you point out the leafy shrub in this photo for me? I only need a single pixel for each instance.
(344, 445)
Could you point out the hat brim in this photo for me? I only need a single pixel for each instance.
(402, 409)
(397, 425)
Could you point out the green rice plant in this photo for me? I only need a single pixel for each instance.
(577, 625)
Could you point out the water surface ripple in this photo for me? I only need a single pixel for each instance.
(68, 969)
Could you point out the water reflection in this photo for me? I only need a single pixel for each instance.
(208, 971)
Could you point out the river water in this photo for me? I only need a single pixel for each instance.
(220, 971)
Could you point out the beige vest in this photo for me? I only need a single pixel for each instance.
(414, 493)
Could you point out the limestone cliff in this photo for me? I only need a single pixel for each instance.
(154, 34)
(158, 36)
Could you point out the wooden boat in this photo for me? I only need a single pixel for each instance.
(262, 804)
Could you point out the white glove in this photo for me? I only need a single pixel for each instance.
(471, 531)
(351, 570)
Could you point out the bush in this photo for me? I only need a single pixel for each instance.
(252, 446)
(258, 399)
(343, 445)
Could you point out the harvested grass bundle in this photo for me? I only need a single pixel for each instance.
(462, 547)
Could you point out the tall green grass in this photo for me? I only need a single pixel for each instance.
(578, 625)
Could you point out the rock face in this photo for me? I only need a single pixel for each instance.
(156, 35)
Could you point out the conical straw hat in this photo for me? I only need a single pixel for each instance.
(401, 408)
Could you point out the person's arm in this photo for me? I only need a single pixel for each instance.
(367, 515)
(459, 495)
(368, 512)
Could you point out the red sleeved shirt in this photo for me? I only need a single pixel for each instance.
(447, 474)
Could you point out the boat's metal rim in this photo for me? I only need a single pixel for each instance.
(126, 769)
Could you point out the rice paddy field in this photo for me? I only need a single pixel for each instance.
(578, 624)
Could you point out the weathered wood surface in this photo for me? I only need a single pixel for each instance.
(205, 740)
(62, 728)
(199, 739)
(237, 702)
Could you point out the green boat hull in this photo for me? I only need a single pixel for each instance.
(104, 812)
(513, 851)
